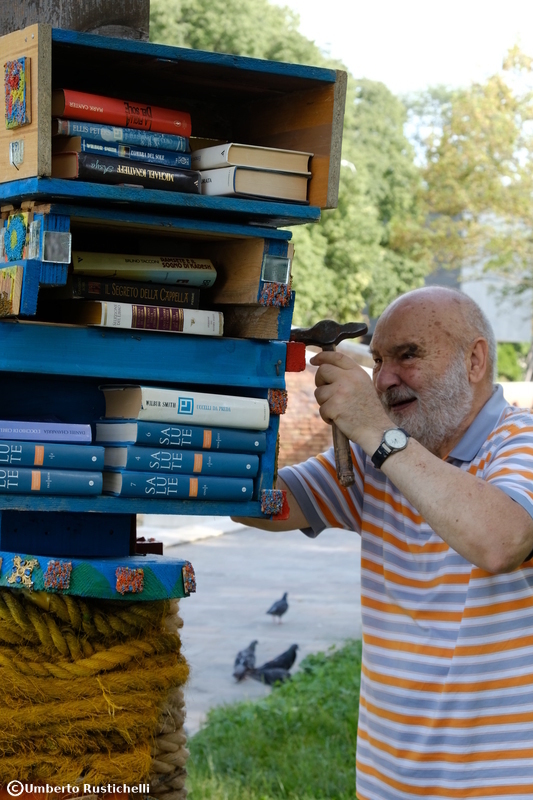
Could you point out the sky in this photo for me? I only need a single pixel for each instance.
(412, 44)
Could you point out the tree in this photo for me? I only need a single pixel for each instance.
(369, 249)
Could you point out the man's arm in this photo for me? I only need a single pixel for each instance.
(295, 520)
(477, 519)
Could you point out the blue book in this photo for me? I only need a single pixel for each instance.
(170, 461)
(111, 133)
(163, 434)
(133, 152)
(51, 456)
(14, 480)
(177, 487)
(44, 431)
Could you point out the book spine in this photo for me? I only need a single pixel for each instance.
(87, 288)
(168, 405)
(44, 431)
(135, 153)
(103, 169)
(184, 487)
(14, 480)
(153, 269)
(186, 462)
(218, 182)
(110, 133)
(223, 439)
(210, 158)
(51, 456)
(158, 318)
(124, 113)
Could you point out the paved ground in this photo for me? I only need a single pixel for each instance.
(239, 575)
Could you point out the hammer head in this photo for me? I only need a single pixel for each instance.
(328, 333)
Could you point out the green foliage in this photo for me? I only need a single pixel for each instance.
(298, 743)
(512, 360)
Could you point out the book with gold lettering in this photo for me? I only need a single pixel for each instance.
(105, 169)
(90, 287)
(135, 266)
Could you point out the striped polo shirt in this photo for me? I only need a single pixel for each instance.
(446, 705)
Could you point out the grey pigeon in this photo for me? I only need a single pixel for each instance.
(279, 608)
(283, 661)
(270, 676)
(244, 661)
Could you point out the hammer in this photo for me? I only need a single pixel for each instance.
(327, 334)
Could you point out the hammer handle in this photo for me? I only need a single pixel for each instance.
(343, 451)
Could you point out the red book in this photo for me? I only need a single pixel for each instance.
(124, 113)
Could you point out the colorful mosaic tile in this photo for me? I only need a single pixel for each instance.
(15, 236)
(57, 575)
(189, 578)
(129, 580)
(17, 92)
(22, 571)
(271, 501)
(275, 294)
(277, 400)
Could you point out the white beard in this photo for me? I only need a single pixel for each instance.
(439, 411)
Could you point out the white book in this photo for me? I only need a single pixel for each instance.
(155, 404)
(260, 183)
(248, 155)
(156, 269)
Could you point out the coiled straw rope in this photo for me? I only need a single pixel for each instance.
(90, 692)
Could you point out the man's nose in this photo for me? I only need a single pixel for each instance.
(387, 377)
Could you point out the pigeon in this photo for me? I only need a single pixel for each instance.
(279, 607)
(270, 676)
(283, 661)
(244, 661)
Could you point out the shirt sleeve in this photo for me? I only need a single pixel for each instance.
(324, 502)
(509, 462)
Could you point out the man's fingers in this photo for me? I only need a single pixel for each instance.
(333, 357)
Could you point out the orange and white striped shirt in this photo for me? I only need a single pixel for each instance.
(446, 706)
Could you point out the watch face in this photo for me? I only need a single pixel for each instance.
(395, 438)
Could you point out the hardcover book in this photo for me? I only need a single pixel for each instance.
(105, 169)
(79, 144)
(44, 431)
(15, 480)
(178, 487)
(83, 287)
(258, 183)
(175, 462)
(10, 290)
(155, 404)
(155, 269)
(247, 155)
(111, 133)
(52, 456)
(125, 113)
(133, 316)
(161, 434)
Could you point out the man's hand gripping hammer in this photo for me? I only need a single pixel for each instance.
(327, 334)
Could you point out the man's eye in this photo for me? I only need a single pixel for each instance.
(377, 363)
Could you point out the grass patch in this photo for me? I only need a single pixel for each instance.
(297, 743)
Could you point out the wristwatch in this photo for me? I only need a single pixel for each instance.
(393, 440)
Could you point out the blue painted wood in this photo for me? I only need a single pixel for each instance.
(268, 462)
(285, 320)
(308, 74)
(260, 211)
(66, 534)
(162, 576)
(140, 356)
(30, 286)
(53, 274)
(121, 505)
(155, 221)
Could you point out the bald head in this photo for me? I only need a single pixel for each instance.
(459, 318)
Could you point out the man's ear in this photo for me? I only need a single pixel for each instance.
(478, 362)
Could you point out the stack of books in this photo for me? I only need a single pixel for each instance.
(159, 443)
(109, 140)
(157, 293)
(52, 458)
(243, 170)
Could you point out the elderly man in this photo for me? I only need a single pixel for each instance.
(443, 500)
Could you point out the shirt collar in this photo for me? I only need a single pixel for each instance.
(484, 423)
